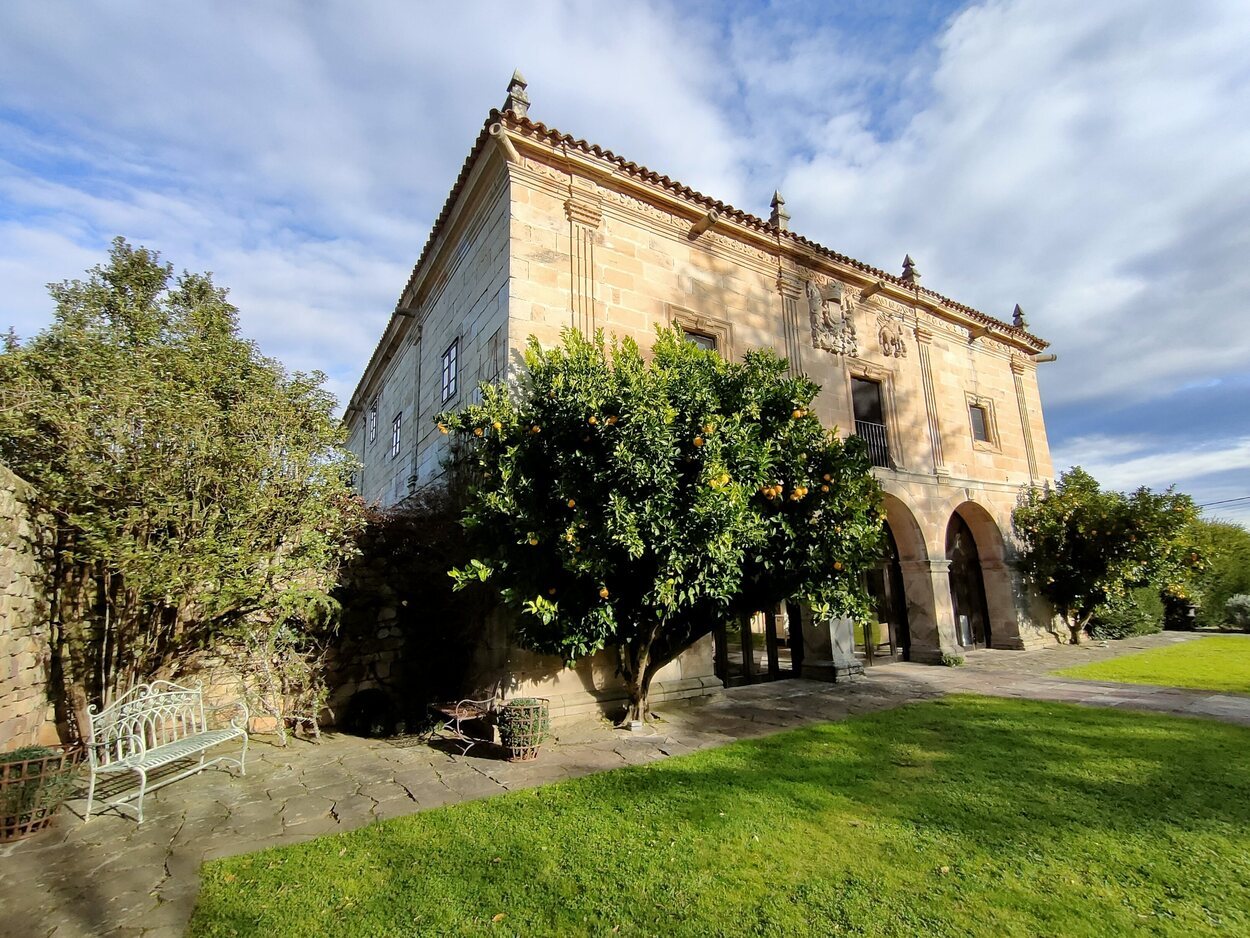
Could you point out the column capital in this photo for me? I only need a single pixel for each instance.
(583, 211)
(1017, 365)
(790, 284)
(926, 566)
(924, 335)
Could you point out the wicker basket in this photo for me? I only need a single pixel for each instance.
(524, 723)
(34, 783)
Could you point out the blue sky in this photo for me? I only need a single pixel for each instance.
(1090, 161)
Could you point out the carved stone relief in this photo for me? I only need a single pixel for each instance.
(890, 334)
(830, 309)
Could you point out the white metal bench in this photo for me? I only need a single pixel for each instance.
(152, 726)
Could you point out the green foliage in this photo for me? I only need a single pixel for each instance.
(1138, 612)
(398, 580)
(197, 484)
(1226, 549)
(1237, 610)
(966, 816)
(620, 501)
(1084, 547)
(524, 725)
(952, 661)
(33, 790)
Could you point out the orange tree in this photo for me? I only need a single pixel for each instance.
(1084, 547)
(620, 502)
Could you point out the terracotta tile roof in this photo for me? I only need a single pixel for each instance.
(747, 219)
(555, 137)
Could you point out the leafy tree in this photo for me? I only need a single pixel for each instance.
(1085, 547)
(1225, 548)
(199, 490)
(621, 502)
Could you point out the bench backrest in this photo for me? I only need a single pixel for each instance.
(146, 716)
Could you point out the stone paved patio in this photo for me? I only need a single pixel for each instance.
(113, 877)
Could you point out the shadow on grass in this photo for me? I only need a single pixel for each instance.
(960, 816)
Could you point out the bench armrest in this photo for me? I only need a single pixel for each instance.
(241, 715)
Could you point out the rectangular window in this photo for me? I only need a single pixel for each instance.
(493, 366)
(870, 419)
(980, 423)
(373, 420)
(707, 342)
(395, 424)
(451, 367)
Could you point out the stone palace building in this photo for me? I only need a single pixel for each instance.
(543, 231)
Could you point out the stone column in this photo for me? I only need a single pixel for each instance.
(930, 615)
(1000, 602)
(924, 338)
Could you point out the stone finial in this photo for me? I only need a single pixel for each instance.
(1017, 318)
(518, 101)
(780, 217)
(910, 273)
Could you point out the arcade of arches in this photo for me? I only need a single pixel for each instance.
(945, 587)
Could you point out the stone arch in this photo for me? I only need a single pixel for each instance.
(928, 630)
(908, 534)
(996, 575)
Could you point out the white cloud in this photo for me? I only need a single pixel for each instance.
(1212, 472)
(1087, 160)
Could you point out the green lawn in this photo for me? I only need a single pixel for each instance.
(963, 816)
(1220, 663)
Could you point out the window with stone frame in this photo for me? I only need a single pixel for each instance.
(981, 422)
(709, 332)
(701, 339)
(373, 420)
(396, 424)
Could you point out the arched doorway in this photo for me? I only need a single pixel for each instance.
(972, 619)
(888, 638)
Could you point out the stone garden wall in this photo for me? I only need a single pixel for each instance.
(25, 712)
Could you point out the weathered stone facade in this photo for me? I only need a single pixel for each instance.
(26, 715)
(543, 232)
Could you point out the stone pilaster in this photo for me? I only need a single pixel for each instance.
(924, 339)
(792, 293)
(584, 212)
(1017, 374)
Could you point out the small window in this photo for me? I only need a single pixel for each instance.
(373, 420)
(493, 366)
(451, 365)
(704, 341)
(980, 423)
(395, 425)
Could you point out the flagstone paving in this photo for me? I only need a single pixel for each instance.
(114, 877)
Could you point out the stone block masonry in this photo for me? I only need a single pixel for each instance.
(26, 715)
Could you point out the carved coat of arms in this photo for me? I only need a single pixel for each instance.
(832, 328)
(890, 334)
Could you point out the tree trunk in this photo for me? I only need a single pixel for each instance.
(1077, 633)
(635, 657)
(638, 709)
